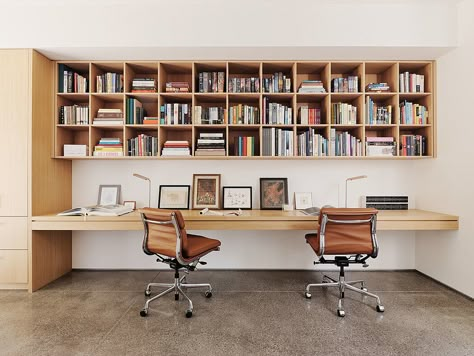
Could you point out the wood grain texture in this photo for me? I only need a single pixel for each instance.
(14, 266)
(14, 233)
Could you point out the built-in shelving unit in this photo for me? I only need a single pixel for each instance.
(255, 103)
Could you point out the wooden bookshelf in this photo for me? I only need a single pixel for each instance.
(246, 85)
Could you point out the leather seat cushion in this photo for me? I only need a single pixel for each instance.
(199, 245)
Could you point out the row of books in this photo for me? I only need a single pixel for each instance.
(244, 114)
(412, 145)
(412, 83)
(277, 142)
(73, 115)
(244, 146)
(176, 148)
(413, 114)
(177, 87)
(135, 112)
(210, 144)
(109, 147)
(309, 116)
(144, 85)
(310, 143)
(142, 145)
(175, 114)
(211, 82)
(277, 83)
(108, 116)
(345, 85)
(343, 114)
(209, 115)
(244, 85)
(344, 144)
(380, 146)
(276, 113)
(311, 87)
(70, 81)
(109, 83)
(377, 115)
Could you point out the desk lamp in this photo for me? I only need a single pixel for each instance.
(351, 179)
(149, 186)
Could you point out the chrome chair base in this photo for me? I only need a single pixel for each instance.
(342, 284)
(178, 286)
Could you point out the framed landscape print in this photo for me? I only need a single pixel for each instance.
(174, 197)
(237, 197)
(273, 193)
(206, 191)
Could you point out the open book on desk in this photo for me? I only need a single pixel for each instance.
(98, 210)
(314, 210)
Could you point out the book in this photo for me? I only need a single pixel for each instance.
(98, 210)
(314, 210)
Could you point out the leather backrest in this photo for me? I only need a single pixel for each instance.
(340, 238)
(161, 238)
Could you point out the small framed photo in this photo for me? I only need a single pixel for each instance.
(130, 203)
(206, 191)
(237, 197)
(109, 195)
(273, 193)
(303, 200)
(174, 197)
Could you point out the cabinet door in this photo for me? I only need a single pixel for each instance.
(13, 233)
(13, 266)
(15, 107)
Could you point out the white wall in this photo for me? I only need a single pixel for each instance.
(446, 183)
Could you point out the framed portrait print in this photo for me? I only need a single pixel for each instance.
(273, 193)
(237, 198)
(303, 200)
(108, 195)
(174, 197)
(206, 191)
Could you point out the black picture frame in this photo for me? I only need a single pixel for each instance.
(273, 193)
(174, 196)
(237, 197)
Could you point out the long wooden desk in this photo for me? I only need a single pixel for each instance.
(249, 220)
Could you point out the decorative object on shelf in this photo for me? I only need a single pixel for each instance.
(237, 197)
(206, 191)
(132, 204)
(109, 194)
(351, 179)
(149, 186)
(174, 197)
(273, 193)
(303, 200)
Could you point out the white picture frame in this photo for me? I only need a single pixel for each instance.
(303, 200)
(109, 194)
(236, 197)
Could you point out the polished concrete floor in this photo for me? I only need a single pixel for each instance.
(250, 313)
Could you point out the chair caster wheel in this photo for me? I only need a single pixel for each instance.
(147, 292)
(364, 289)
(307, 295)
(189, 313)
(380, 308)
(208, 294)
(341, 313)
(143, 312)
(176, 297)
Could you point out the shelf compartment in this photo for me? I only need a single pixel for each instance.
(305, 104)
(381, 72)
(283, 72)
(208, 129)
(100, 68)
(346, 69)
(425, 131)
(81, 68)
(244, 77)
(356, 101)
(202, 112)
(377, 100)
(243, 131)
(70, 100)
(176, 72)
(425, 101)
(140, 70)
(313, 71)
(148, 148)
(210, 77)
(424, 68)
(381, 131)
(244, 108)
(312, 141)
(71, 135)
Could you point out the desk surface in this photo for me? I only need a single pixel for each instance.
(249, 220)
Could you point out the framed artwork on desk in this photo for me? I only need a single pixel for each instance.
(109, 194)
(174, 197)
(206, 191)
(303, 200)
(237, 198)
(273, 193)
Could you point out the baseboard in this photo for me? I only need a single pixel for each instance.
(445, 285)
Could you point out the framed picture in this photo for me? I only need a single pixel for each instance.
(108, 195)
(130, 203)
(174, 197)
(303, 200)
(206, 191)
(237, 197)
(273, 193)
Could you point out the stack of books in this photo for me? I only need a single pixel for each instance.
(150, 120)
(176, 148)
(177, 87)
(109, 147)
(311, 86)
(108, 117)
(143, 85)
(210, 144)
(380, 146)
(377, 87)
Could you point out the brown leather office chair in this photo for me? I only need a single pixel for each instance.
(166, 237)
(343, 232)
